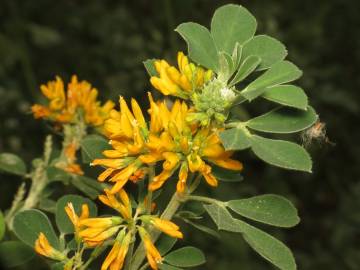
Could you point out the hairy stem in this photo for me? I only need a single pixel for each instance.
(38, 183)
(39, 178)
(19, 196)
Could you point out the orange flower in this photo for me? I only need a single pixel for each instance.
(167, 227)
(64, 105)
(68, 164)
(152, 254)
(75, 219)
(123, 206)
(169, 137)
(40, 111)
(43, 247)
(179, 82)
(116, 257)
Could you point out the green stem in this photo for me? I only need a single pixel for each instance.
(19, 196)
(204, 199)
(129, 255)
(96, 253)
(149, 195)
(195, 183)
(39, 181)
(144, 266)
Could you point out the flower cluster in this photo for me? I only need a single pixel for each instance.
(80, 99)
(210, 96)
(43, 247)
(123, 228)
(168, 138)
(175, 138)
(181, 82)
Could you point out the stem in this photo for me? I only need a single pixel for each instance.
(150, 193)
(144, 266)
(96, 253)
(195, 183)
(129, 255)
(168, 213)
(204, 199)
(19, 196)
(78, 257)
(39, 181)
(73, 136)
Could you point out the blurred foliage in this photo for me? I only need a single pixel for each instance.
(105, 43)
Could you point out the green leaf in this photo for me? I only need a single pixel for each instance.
(280, 153)
(185, 257)
(165, 244)
(268, 247)
(226, 175)
(235, 139)
(222, 218)
(236, 55)
(279, 73)
(62, 220)
(188, 214)
(2, 225)
(270, 209)
(14, 253)
(284, 120)
(287, 95)
(246, 68)
(165, 266)
(150, 67)
(231, 24)
(83, 184)
(11, 163)
(29, 224)
(201, 46)
(47, 205)
(92, 147)
(226, 66)
(269, 49)
(56, 174)
(202, 228)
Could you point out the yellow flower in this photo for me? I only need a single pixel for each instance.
(94, 236)
(189, 147)
(152, 254)
(65, 106)
(179, 82)
(70, 163)
(116, 256)
(123, 206)
(75, 219)
(94, 231)
(54, 91)
(166, 226)
(168, 137)
(128, 132)
(40, 111)
(43, 247)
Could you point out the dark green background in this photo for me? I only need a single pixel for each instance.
(105, 43)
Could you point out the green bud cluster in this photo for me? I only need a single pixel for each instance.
(212, 102)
